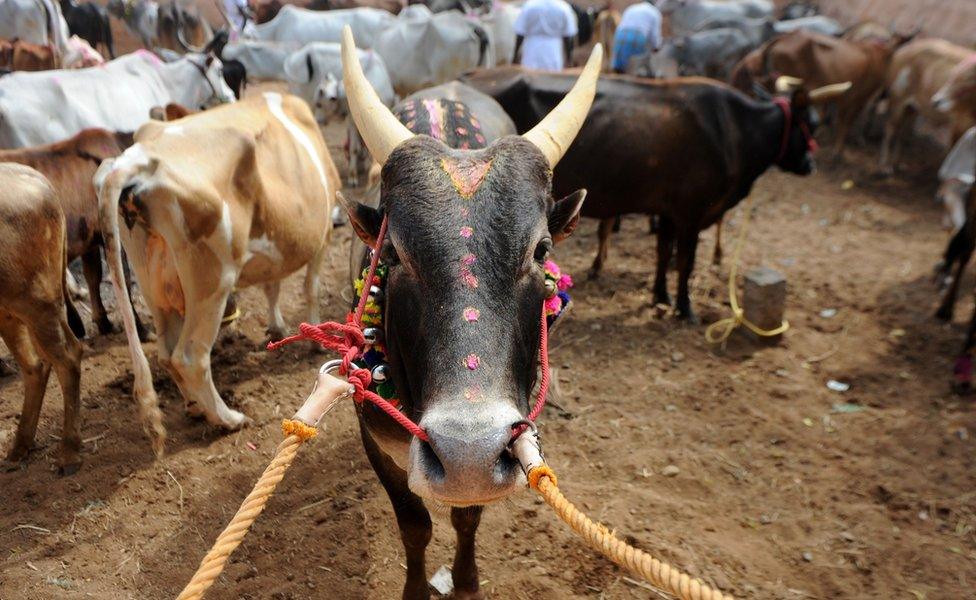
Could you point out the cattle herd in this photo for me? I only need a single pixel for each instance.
(164, 166)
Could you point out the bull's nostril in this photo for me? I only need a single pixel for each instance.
(433, 467)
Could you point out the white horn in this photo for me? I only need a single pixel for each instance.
(558, 129)
(381, 131)
(785, 83)
(829, 92)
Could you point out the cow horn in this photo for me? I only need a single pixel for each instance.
(558, 129)
(829, 92)
(381, 131)
(785, 83)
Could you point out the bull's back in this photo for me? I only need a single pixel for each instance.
(919, 69)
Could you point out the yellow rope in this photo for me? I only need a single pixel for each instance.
(719, 331)
(231, 537)
(659, 574)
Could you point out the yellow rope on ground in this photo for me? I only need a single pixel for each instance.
(725, 327)
(657, 573)
(231, 537)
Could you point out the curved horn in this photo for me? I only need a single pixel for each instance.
(829, 92)
(180, 35)
(785, 83)
(558, 129)
(381, 131)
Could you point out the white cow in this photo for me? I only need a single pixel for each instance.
(315, 74)
(263, 60)
(35, 21)
(688, 15)
(427, 49)
(294, 24)
(48, 106)
(499, 22)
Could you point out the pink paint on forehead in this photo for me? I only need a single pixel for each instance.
(466, 232)
(469, 259)
(471, 314)
(472, 361)
(467, 175)
(436, 114)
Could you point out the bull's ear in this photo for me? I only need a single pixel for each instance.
(365, 220)
(565, 215)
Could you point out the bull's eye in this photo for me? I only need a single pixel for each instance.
(542, 250)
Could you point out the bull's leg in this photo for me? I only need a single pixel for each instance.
(465, 569)
(963, 369)
(948, 304)
(687, 246)
(845, 116)
(907, 128)
(35, 373)
(53, 338)
(890, 134)
(606, 228)
(313, 281)
(411, 514)
(717, 253)
(91, 263)
(276, 323)
(665, 245)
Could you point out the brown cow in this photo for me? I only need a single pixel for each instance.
(18, 55)
(33, 316)
(820, 60)
(917, 72)
(69, 166)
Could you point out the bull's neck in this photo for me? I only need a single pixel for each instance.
(181, 78)
(762, 141)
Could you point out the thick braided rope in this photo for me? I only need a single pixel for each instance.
(231, 537)
(657, 573)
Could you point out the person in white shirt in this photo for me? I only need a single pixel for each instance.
(545, 30)
(639, 32)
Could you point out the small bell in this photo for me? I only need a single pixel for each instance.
(375, 293)
(380, 373)
(551, 289)
(372, 335)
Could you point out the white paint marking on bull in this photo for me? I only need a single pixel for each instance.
(900, 86)
(175, 130)
(264, 247)
(275, 106)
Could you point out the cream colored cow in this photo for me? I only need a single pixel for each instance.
(231, 197)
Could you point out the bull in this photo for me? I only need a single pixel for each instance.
(687, 151)
(468, 233)
(294, 24)
(688, 15)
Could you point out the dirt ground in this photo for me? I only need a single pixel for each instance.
(785, 489)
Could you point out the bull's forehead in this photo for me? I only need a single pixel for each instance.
(443, 201)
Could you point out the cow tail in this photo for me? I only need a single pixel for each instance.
(483, 43)
(109, 195)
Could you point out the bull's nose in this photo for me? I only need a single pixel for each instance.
(466, 459)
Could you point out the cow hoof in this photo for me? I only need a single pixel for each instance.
(944, 314)
(274, 335)
(69, 468)
(17, 455)
(235, 420)
(688, 316)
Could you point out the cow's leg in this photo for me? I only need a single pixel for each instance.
(191, 355)
(948, 303)
(845, 116)
(687, 246)
(895, 116)
(412, 517)
(52, 337)
(606, 228)
(717, 253)
(35, 373)
(907, 128)
(276, 323)
(313, 281)
(91, 263)
(665, 245)
(465, 569)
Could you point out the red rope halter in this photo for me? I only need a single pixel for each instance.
(347, 340)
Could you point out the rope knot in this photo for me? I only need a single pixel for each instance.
(298, 429)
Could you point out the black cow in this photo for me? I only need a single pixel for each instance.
(686, 150)
(468, 235)
(90, 22)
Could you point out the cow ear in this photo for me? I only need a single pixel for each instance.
(365, 220)
(565, 215)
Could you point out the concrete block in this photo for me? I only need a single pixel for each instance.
(764, 300)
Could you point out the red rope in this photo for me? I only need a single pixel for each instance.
(347, 340)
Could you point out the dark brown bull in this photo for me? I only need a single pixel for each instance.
(820, 60)
(686, 150)
(69, 166)
(34, 319)
(467, 239)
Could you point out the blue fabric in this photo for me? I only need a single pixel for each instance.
(627, 43)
